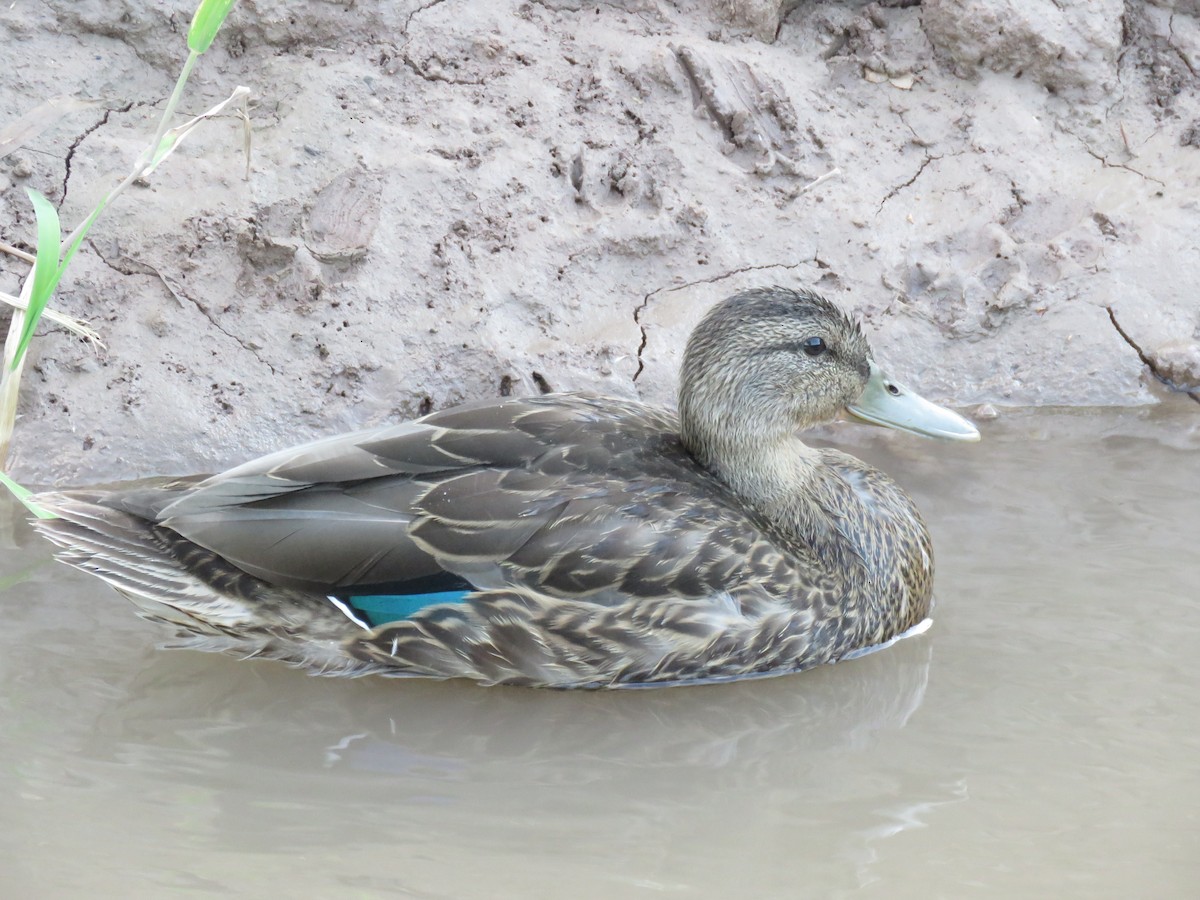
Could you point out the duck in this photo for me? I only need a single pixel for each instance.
(567, 540)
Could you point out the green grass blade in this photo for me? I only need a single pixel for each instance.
(84, 229)
(210, 16)
(23, 494)
(46, 271)
(165, 146)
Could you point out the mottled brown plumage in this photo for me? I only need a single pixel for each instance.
(602, 542)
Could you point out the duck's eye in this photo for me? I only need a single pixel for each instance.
(813, 346)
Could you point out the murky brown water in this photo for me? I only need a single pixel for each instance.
(1042, 739)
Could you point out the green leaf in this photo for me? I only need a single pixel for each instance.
(210, 16)
(46, 271)
(23, 494)
(83, 231)
(164, 148)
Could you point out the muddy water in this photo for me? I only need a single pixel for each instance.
(1042, 739)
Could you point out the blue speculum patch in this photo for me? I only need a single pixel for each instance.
(378, 609)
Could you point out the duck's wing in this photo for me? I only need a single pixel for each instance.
(335, 513)
(569, 495)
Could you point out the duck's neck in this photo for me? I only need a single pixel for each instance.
(769, 475)
(787, 483)
(749, 440)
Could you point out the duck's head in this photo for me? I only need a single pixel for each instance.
(769, 361)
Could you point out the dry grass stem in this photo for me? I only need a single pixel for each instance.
(17, 252)
(832, 173)
(75, 326)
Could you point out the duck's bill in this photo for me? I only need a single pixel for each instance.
(889, 403)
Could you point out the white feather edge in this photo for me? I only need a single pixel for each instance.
(920, 628)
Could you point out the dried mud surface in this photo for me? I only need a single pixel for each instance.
(452, 200)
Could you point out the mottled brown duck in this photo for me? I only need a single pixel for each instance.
(566, 540)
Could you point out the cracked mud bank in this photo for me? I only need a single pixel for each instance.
(451, 200)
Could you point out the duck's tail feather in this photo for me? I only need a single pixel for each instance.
(212, 605)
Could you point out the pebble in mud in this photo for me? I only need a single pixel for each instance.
(1179, 363)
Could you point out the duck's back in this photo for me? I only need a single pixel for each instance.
(571, 493)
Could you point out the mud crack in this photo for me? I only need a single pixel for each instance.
(1146, 360)
(1103, 160)
(103, 120)
(420, 9)
(637, 320)
(128, 266)
(641, 307)
(204, 311)
(929, 157)
(423, 71)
